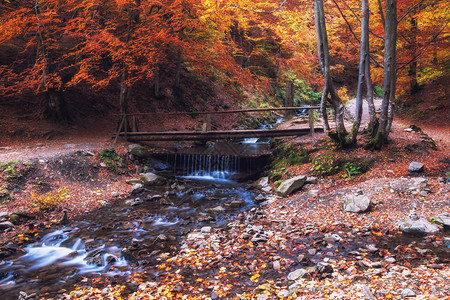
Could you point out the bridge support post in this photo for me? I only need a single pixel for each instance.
(311, 121)
(206, 123)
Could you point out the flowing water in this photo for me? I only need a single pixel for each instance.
(114, 241)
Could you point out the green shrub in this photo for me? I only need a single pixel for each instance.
(111, 159)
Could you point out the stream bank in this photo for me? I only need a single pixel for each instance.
(300, 246)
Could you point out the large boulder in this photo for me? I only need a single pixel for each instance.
(416, 167)
(152, 179)
(357, 203)
(417, 226)
(291, 185)
(138, 151)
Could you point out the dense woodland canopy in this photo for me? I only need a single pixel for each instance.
(53, 51)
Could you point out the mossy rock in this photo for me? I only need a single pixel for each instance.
(330, 163)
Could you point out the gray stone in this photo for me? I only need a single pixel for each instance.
(138, 151)
(417, 225)
(415, 167)
(152, 179)
(216, 210)
(408, 293)
(324, 268)
(443, 219)
(133, 181)
(137, 188)
(237, 203)
(261, 183)
(276, 265)
(368, 293)
(357, 203)
(390, 260)
(299, 273)
(206, 229)
(4, 216)
(6, 225)
(291, 185)
(311, 180)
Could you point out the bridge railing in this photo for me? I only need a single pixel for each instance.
(129, 123)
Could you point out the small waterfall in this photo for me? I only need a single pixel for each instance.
(204, 165)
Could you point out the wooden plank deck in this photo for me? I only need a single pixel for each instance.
(214, 135)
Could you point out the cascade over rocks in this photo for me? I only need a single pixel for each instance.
(291, 185)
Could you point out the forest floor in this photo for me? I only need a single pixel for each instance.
(303, 246)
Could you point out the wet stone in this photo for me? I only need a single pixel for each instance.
(408, 293)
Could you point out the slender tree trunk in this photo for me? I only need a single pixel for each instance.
(369, 98)
(387, 111)
(289, 100)
(324, 59)
(363, 61)
(157, 82)
(123, 101)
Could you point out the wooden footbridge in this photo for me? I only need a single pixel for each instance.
(133, 134)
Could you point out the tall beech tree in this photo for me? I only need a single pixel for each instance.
(329, 93)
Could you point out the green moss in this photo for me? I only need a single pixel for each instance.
(284, 156)
(112, 160)
(330, 163)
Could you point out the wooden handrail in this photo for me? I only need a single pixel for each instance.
(221, 111)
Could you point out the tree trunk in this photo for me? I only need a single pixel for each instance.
(289, 100)
(387, 111)
(369, 98)
(363, 61)
(123, 102)
(324, 59)
(157, 82)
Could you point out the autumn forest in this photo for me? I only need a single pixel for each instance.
(300, 149)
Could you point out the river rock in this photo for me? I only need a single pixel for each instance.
(137, 188)
(133, 181)
(152, 179)
(417, 225)
(299, 273)
(6, 225)
(216, 210)
(261, 183)
(444, 220)
(357, 203)
(291, 185)
(415, 167)
(408, 293)
(134, 202)
(237, 203)
(324, 268)
(311, 180)
(138, 151)
(4, 216)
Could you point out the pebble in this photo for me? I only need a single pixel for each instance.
(406, 273)
(390, 260)
(297, 274)
(206, 229)
(312, 251)
(276, 265)
(408, 293)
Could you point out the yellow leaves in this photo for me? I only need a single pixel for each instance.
(255, 277)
